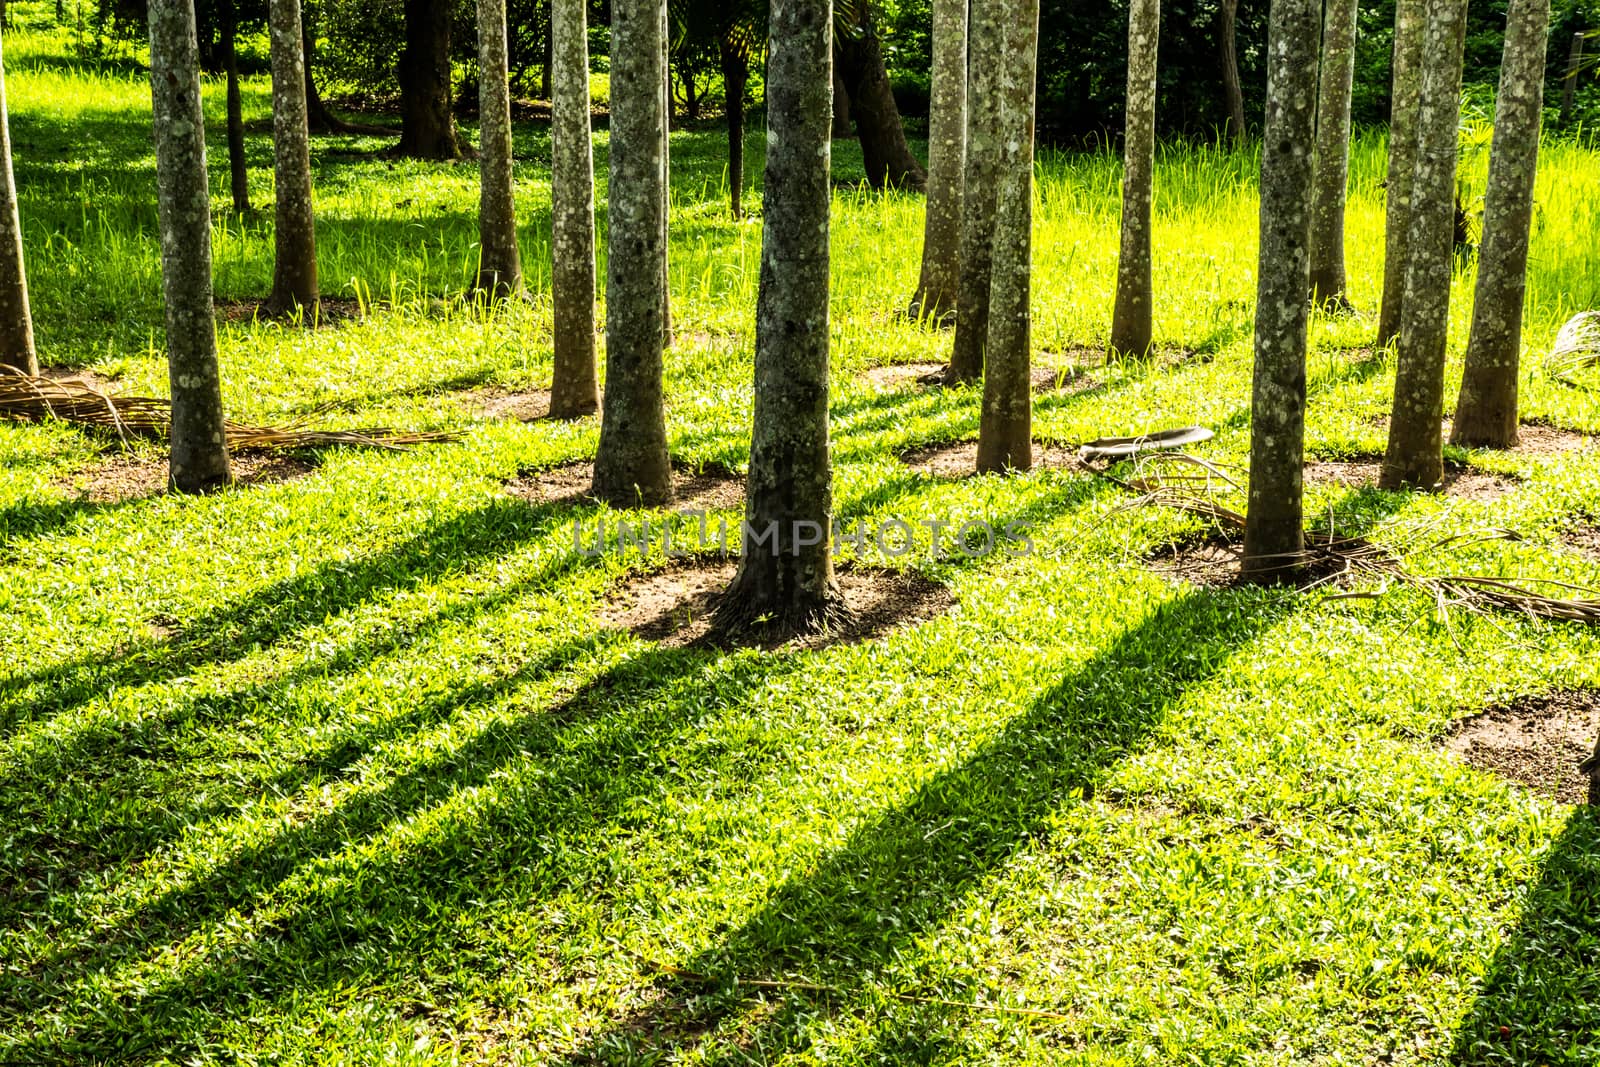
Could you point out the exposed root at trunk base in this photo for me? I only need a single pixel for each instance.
(684, 603)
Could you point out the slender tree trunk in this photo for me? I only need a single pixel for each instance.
(1410, 17)
(631, 466)
(1131, 329)
(16, 318)
(294, 274)
(1005, 430)
(985, 48)
(427, 125)
(500, 260)
(947, 159)
(666, 179)
(1232, 90)
(318, 116)
(1569, 84)
(786, 585)
(887, 157)
(1333, 153)
(547, 73)
(1415, 454)
(573, 389)
(843, 125)
(238, 174)
(735, 78)
(1274, 536)
(199, 456)
(1486, 411)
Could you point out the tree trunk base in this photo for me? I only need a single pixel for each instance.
(754, 610)
(937, 310)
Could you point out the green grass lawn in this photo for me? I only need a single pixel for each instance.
(345, 771)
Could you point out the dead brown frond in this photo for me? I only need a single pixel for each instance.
(26, 398)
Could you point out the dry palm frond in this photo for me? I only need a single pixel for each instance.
(1330, 557)
(26, 398)
(1577, 346)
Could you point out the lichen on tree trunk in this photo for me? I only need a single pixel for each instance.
(1131, 326)
(573, 388)
(1333, 153)
(985, 45)
(1409, 20)
(499, 258)
(631, 464)
(1486, 411)
(1274, 537)
(294, 271)
(1415, 455)
(1005, 428)
(947, 151)
(199, 449)
(16, 317)
(785, 584)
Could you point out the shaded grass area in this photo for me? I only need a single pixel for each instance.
(345, 770)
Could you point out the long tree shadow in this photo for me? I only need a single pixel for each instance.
(899, 876)
(1540, 1001)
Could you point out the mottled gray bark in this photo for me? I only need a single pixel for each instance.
(786, 585)
(1333, 153)
(1131, 329)
(238, 173)
(1274, 538)
(1005, 428)
(16, 318)
(199, 456)
(1486, 411)
(947, 157)
(1232, 90)
(1410, 16)
(985, 48)
(666, 179)
(631, 465)
(574, 391)
(499, 258)
(1415, 455)
(294, 272)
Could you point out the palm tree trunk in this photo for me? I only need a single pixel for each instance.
(573, 388)
(1410, 16)
(631, 465)
(1232, 90)
(16, 318)
(786, 585)
(1333, 153)
(199, 450)
(735, 77)
(985, 48)
(1005, 430)
(1415, 455)
(947, 152)
(1131, 326)
(500, 260)
(427, 125)
(886, 156)
(294, 273)
(1486, 411)
(238, 173)
(1274, 536)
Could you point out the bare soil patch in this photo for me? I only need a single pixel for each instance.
(708, 487)
(124, 477)
(1582, 533)
(1460, 480)
(330, 312)
(1537, 742)
(1213, 562)
(894, 377)
(526, 405)
(1535, 437)
(674, 604)
(959, 459)
(1066, 381)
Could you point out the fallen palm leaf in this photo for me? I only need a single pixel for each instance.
(1577, 346)
(27, 398)
(1161, 481)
